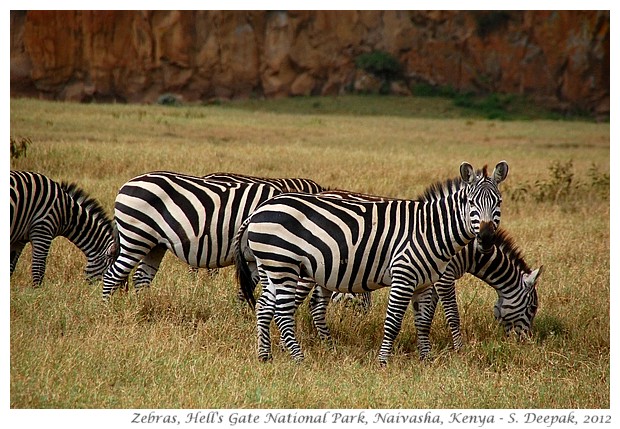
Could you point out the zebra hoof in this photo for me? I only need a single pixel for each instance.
(265, 357)
(425, 355)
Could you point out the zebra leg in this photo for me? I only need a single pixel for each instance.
(318, 309)
(446, 292)
(366, 302)
(127, 259)
(304, 287)
(16, 251)
(265, 306)
(399, 298)
(147, 268)
(41, 242)
(285, 314)
(424, 305)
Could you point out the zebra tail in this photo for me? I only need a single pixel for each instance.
(244, 276)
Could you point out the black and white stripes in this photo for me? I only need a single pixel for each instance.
(42, 209)
(504, 269)
(355, 246)
(195, 218)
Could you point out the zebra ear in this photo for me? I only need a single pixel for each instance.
(500, 172)
(530, 279)
(467, 173)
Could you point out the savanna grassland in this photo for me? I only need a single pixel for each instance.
(188, 343)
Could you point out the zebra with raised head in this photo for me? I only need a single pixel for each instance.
(503, 268)
(193, 217)
(42, 209)
(356, 246)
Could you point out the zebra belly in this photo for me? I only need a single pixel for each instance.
(202, 252)
(347, 278)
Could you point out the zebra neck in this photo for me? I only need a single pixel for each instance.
(449, 227)
(495, 268)
(85, 229)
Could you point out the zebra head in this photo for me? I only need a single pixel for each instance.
(517, 312)
(104, 252)
(483, 202)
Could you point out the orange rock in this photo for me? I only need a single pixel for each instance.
(560, 57)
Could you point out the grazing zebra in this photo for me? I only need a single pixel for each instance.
(193, 217)
(355, 246)
(42, 209)
(503, 268)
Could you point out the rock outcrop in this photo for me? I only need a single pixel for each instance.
(560, 57)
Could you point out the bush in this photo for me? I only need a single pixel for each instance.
(562, 185)
(168, 100)
(19, 148)
(379, 63)
(428, 90)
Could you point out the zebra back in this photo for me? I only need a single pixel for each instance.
(283, 184)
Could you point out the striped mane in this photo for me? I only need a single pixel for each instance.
(89, 204)
(440, 190)
(506, 243)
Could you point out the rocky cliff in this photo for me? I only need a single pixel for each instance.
(559, 57)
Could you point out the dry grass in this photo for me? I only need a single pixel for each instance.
(187, 342)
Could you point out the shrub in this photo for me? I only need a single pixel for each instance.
(563, 186)
(168, 100)
(379, 63)
(19, 148)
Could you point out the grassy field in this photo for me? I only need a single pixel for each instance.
(188, 343)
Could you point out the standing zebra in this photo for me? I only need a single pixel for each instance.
(193, 217)
(355, 246)
(42, 209)
(503, 268)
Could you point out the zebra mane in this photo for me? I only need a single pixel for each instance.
(88, 203)
(507, 245)
(439, 190)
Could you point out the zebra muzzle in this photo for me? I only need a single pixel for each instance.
(486, 236)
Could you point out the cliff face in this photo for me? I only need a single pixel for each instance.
(562, 58)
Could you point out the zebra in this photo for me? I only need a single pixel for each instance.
(297, 184)
(355, 246)
(503, 268)
(42, 209)
(193, 217)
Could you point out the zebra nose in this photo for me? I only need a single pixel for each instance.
(486, 236)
